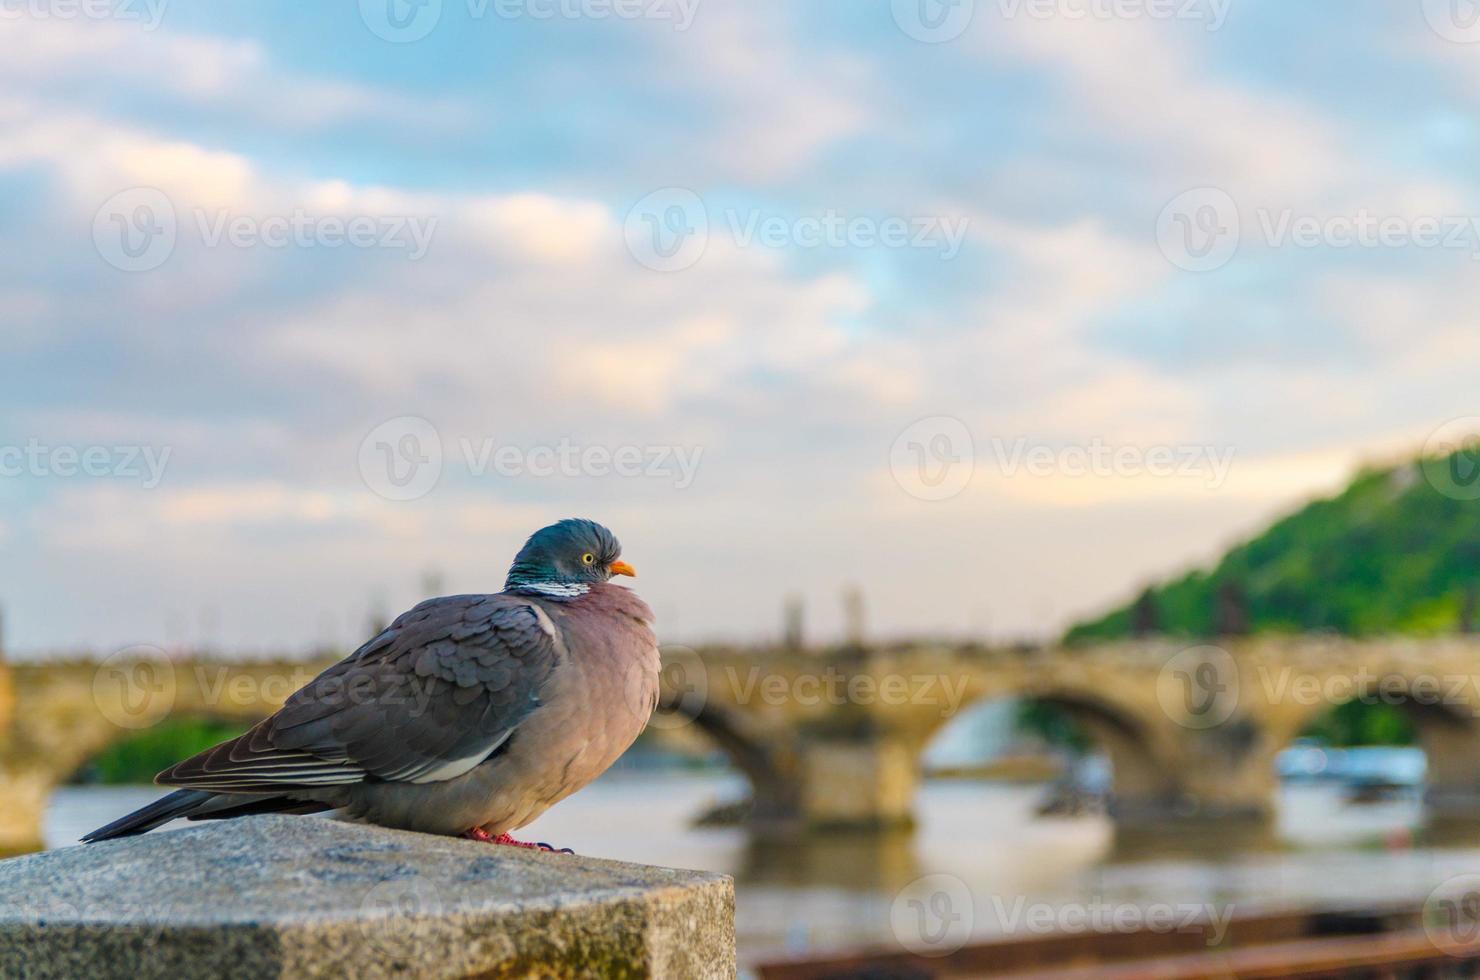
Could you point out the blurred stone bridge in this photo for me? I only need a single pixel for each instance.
(1191, 730)
(835, 739)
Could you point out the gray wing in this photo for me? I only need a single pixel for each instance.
(428, 699)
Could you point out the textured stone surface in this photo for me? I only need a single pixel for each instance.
(272, 896)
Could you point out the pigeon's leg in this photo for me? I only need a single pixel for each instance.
(478, 833)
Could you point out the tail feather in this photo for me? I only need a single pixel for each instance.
(180, 803)
(198, 804)
(228, 805)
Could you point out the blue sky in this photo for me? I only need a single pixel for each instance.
(767, 239)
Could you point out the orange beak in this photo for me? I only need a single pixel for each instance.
(622, 568)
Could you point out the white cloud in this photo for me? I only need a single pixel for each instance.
(1154, 86)
(1136, 80)
(98, 158)
(776, 101)
(73, 60)
(528, 322)
(38, 51)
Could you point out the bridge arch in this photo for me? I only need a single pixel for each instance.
(68, 712)
(1445, 724)
(770, 766)
(1139, 771)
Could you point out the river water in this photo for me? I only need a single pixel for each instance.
(840, 892)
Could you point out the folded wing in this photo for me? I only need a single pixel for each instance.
(435, 694)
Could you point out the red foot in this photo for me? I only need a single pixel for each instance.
(479, 834)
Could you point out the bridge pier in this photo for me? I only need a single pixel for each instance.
(869, 780)
(1223, 773)
(23, 787)
(1142, 811)
(859, 784)
(25, 792)
(1451, 745)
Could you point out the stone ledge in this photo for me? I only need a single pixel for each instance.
(277, 896)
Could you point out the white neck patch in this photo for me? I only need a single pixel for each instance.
(562, 589)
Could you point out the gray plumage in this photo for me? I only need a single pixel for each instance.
(470, 711)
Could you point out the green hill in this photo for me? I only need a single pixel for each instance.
(1390, 554)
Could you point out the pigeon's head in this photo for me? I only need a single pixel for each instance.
(572, 552)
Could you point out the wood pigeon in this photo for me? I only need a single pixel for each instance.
(469, 715)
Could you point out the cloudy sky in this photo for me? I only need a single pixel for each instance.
(994, 310)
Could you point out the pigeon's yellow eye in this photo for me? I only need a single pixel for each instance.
(588, 558)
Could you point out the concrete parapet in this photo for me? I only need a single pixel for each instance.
(278, 896)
